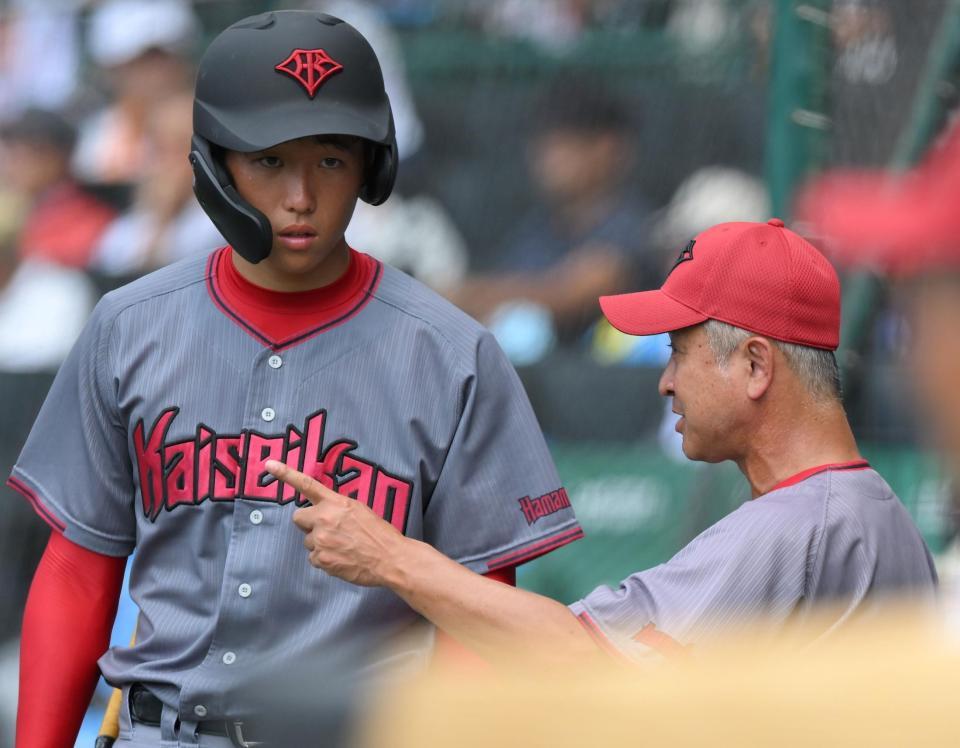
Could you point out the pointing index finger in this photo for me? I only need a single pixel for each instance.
(307, 486)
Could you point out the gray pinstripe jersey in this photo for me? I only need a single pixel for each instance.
(839, 538)
(154, 435)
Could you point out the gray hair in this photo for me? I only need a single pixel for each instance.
(816, 368)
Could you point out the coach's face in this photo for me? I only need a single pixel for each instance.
(708, 398)
(308, 188)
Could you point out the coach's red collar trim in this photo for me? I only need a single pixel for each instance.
(602, 640)
(280, 319)
(810, 472)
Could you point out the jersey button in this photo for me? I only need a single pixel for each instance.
(200, 710)
(229, 658)
(256, 516)
(275, 362)
(268, 414)
(244, 590)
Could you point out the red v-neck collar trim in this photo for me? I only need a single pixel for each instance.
(810, 472)
(279, 319)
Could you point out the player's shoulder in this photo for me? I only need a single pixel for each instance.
(168, 281)
(403, 295)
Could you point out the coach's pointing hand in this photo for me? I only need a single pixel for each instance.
(343, 536)
(348, 540)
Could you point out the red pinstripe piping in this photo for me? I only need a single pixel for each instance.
(527, 553)
(37, 505)
(810, 472)
(279, 345)
(662, 642)
(602, 640)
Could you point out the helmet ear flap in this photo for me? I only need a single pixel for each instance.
(381, 174)
(246, 229)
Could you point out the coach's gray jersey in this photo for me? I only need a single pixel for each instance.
(154, 437)
(839, 539)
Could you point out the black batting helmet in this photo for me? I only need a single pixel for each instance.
(275, 77)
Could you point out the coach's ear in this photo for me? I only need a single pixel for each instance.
(759, 354)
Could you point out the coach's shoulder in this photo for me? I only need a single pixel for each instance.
(783, 513)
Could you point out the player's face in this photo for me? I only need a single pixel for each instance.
(705, 395)
(308, 188)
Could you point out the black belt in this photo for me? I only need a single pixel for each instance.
(147, 709)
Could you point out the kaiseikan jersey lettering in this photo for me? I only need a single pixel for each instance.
(155, 434)
(224, 467)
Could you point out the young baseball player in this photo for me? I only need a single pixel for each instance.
(753, 312)
(285, 345)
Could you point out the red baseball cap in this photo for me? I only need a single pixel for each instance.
(761, 277)
(900, 223)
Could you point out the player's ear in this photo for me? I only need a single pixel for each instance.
(758, 356)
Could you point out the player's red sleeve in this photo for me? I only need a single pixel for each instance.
(66, 627)
(506, 575)
(449, 652)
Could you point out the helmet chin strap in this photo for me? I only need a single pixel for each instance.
(246, 229)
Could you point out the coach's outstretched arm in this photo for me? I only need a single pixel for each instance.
(348, 540)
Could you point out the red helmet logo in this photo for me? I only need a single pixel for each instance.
(310, 68)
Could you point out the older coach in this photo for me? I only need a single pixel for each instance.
(753, 312)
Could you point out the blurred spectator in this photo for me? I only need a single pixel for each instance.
(412, 232)
(369, 20)
(42, 306)
(878, 54)
(588, 235)
(551, 23)
(165, 222)
(27, 29)
(63, 222)
(699, 25)
(144, 49)
(558, 24)
(711, 195)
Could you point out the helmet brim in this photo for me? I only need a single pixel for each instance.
(236, 132)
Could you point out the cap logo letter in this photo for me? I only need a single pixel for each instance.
(686, 254)
(310, 68)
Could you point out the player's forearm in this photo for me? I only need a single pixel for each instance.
(492, 618)
(66, 627)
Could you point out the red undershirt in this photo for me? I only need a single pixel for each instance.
(281, 318)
